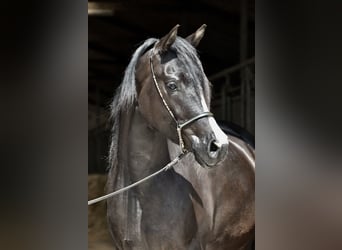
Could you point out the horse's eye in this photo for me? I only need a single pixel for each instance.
(171, 85)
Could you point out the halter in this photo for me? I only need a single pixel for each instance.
(179, 126)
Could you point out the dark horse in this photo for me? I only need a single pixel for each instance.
(206, 201)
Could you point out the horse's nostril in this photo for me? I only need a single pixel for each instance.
(214, 146)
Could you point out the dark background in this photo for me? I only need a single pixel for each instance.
(44, 128)
(117, 28)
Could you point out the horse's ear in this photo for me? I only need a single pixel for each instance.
(195, 38)
(165, 43)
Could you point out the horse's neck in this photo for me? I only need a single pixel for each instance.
(141, 151)
(145, 148)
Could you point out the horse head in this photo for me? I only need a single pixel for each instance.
(173, 90)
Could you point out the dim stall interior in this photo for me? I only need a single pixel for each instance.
(116, 28)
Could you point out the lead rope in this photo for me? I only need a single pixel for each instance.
(167, 167)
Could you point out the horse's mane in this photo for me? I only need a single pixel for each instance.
(126, 94)
(125, 97)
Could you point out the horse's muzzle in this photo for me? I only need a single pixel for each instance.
(209, 151)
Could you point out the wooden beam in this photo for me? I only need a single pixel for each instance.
(102, 8)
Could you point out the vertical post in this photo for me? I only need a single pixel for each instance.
(248, 99)
(223, 101)
(242, 98)
(228, 99)
(243, 30)
(229, 105)
(243, 56)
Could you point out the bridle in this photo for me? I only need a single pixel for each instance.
(179, 126)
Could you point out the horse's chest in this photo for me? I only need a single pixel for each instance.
(224, 213)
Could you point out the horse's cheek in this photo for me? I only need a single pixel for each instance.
(145, 107)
